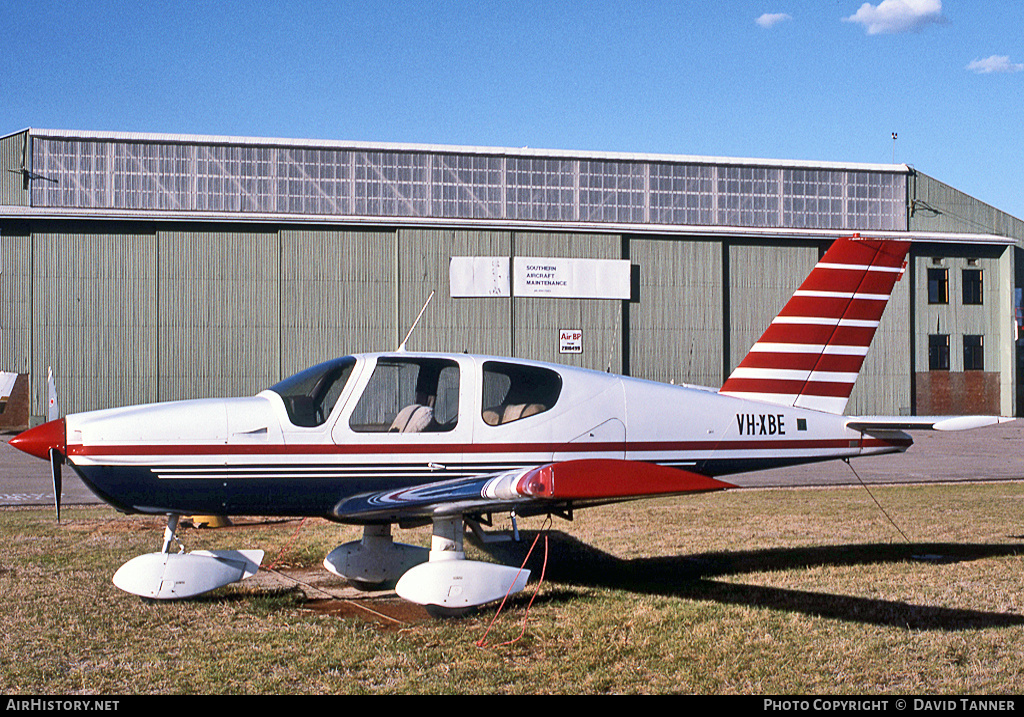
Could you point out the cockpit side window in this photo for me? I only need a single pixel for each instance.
(512, 392)
(309, 396)
(409, 395)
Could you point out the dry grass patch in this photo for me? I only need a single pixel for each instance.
(774, 591)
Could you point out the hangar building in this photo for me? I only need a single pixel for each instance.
(147, 267)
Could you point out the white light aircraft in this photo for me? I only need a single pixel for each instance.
(452, 439)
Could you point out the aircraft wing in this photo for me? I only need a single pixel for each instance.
(911, 423)
(582, 481)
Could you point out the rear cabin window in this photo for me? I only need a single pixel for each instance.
(512, 392)
(409, 396)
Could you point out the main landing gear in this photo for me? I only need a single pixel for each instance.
(441, 579)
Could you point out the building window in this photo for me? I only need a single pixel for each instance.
(938, 286)
(938, 352)
(974, 354)
(972, 286)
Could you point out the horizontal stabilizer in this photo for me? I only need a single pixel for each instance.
(922, 423)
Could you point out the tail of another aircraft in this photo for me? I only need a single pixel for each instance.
(813, 350)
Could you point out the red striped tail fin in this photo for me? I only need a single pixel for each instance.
(813, 350)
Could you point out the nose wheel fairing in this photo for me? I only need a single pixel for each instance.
(177, 576)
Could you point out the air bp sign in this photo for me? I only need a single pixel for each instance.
(570, 341)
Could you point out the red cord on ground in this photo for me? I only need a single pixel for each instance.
(482, 641)
(286, 545)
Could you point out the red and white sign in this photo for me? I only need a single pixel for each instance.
(570, 341)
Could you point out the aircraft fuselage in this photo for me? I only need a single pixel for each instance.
(292, 451)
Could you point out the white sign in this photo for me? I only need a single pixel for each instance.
(570, 341)
(571, 278)
(7, 384)
(478, 276)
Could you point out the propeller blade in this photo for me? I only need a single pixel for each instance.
(56, 460)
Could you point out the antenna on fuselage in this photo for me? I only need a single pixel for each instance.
(413, 327)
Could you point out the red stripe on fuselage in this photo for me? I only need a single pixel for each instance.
(474, 448)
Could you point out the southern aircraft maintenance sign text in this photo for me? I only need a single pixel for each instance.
(551, 277)
(571, 278)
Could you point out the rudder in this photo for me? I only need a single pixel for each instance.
(812, 352)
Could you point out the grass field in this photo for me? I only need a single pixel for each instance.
(811, 591)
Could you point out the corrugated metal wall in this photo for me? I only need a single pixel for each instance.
(676, 329)
(938, 207)
(537, 321)
(125, 316)
(474, 325)
(337, 295)
(94, 318)
(219, 321)
(761, 280)
(15, 303)
(13, 187)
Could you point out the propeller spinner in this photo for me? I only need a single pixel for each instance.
(48, 442)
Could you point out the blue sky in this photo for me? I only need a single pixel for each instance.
(788, 79)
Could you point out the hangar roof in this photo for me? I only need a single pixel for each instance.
(127, 175)
(164, 138)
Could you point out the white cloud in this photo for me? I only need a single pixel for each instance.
(770, 19)
(995, 63)
(897, 15)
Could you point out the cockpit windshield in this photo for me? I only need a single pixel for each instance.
(309, 396)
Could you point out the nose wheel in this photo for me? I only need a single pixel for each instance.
(175, 576)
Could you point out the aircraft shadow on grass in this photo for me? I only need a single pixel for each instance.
(571, 562)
